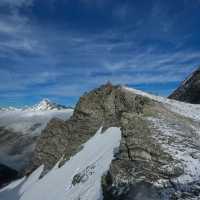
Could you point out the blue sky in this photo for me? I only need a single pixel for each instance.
(58, 49)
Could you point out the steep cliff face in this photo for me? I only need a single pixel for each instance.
(189, 90)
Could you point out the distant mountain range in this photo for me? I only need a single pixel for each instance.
(43, 105)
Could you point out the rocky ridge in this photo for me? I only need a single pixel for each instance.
(101, 107)
(159, 152)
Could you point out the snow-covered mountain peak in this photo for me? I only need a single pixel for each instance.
(45, 101)
(46, 104)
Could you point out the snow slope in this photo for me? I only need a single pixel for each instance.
(79, 178)
(185, 109)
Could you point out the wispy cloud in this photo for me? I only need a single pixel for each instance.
(16, 3)
(51, 58)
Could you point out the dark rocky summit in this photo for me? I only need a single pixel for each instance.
(147, 165)
(189, 90)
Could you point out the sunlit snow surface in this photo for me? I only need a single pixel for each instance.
(185, 109)
(78, 178)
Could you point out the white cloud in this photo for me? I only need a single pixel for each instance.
(72, 53)
(16, 81)
(137, 78)
(16, 3)
(151, 61)
(15, 27)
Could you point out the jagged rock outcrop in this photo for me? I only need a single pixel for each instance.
(148, 165)
(101, 107)
(189, 90)
(159, 154)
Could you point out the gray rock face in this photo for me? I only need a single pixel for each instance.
(101, 107)
(189, 90)
(159, 152)
(155, 160)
